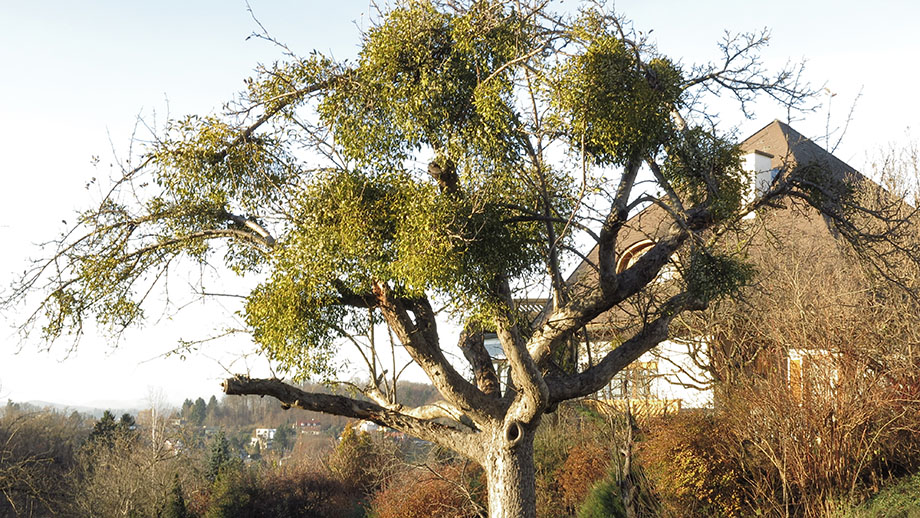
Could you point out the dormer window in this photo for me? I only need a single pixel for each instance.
(632, 254)
(637, 250)
(759, 165)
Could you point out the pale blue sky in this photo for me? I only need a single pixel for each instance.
(74, 74)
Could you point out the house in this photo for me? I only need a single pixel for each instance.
(266, 434)
(679, 372)
(263, 437)
(369, 427)
(308, 426)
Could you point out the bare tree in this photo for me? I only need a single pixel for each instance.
(36, 454)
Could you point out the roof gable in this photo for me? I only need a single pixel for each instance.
(788, 149)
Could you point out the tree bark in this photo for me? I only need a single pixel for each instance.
(510, 471)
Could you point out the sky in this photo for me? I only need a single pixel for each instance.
(77, 76)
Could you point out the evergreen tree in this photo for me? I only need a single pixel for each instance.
(212, 412)
(198, 412)
(230, 497)
(104, 428)
(126, 423)
(107, 429)
(219, 457)
(187, 408)
(603, 501)
(285, 437)
(175, 504)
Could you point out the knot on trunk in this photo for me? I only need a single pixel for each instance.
(514, 432)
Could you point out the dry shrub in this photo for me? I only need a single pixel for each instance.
(276, 493)
(312, 448)
(816, 370)
(586, 464)
(810, 451)
(37, 451)
(773, 451)
(302, 494)
(686, 459)
(126, 475)
(444, 491)
(362, 461)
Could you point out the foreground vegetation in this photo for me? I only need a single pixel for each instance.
(589, 463)
(901, 499)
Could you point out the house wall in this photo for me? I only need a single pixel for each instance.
(679, 376)
(666, 373)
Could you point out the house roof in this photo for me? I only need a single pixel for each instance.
(789, 148)
(786, 148)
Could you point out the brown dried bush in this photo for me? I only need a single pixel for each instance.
(361, 460)
(440, 491)
(586, 464)
(686, 459)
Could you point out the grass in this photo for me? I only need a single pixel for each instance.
(900, 500)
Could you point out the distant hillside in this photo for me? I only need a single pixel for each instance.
(94, 409)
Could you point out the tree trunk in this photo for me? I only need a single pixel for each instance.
(510, 472)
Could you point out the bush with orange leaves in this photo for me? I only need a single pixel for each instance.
(452, 490)
(586, 464)
(687, 459)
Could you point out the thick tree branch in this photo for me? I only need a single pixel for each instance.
(614, 222)
(532, 392)
(445, 173)
(290, 396)
(472, 345)
(214, 233)
(562, 323)
(595, 378)
(348, 297)
(266, 238)
(420, 341)
(437, 410)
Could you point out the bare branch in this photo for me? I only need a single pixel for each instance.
(290, 396)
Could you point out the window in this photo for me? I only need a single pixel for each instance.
(637, 250)
(632, 254)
